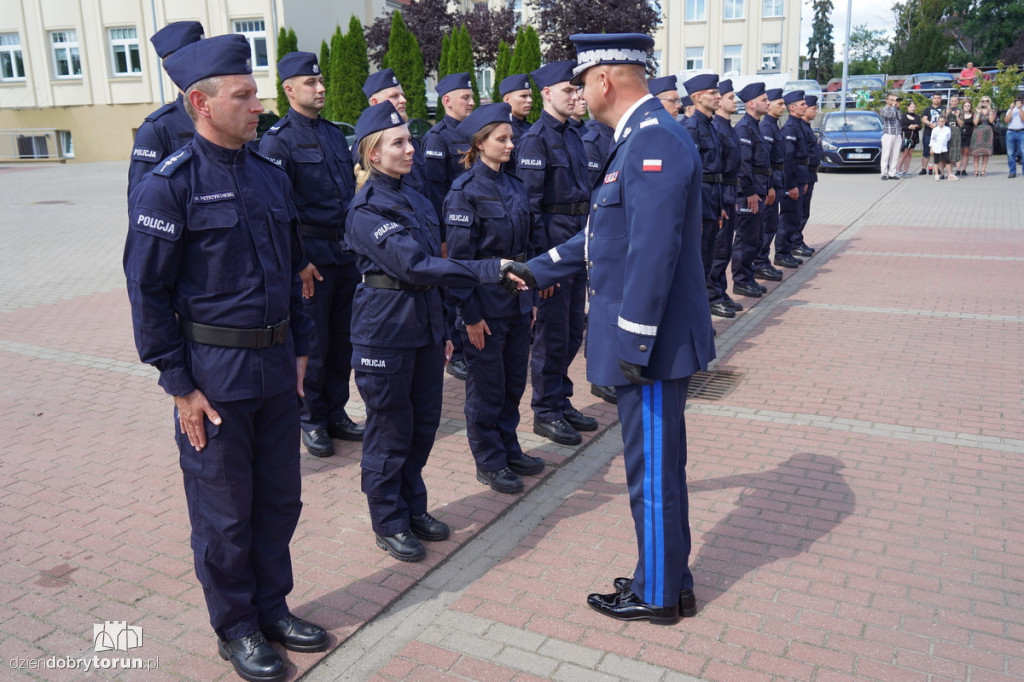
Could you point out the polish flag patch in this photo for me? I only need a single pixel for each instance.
(652, 165)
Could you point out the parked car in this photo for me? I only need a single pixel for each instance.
(418, 127)
(851, 140)
(928, 84)
(855, 85)
(809, 86)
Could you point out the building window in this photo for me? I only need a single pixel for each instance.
(12, 66)
(517, 10)
(658, 66)
(732, 63)
(124, 51)
(66, 62)
(771, 57)
(733, 9)
(67, 147)
(255, 32)
(695, 10)
(694, 58)
(772, 8)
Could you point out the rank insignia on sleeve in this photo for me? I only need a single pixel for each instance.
(652, 166)
(611, 177)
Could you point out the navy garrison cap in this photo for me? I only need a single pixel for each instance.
(298, 64)
(811, 100)
(751, 91)
(794, 96)
(774, 94)
(225, 55)
(686, 101)
(520, 81)
(555, 72)
(453, 81)
(176, 36)
(378, 117)
(703, 81)
(725, 87)
(660, 85)
(499, 112)
(609, 48)
(379, 80)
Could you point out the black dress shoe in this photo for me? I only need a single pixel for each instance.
(526, 465)
(769, 274)
(253, 658)
(296, 634)
(457, 368)
(318, 443)
(558, 431)
(753, 291)
(578, 420)
(403, 546)
(687, 599)
(605, 393)
(722, 310)
(345, 429)
(629, 607)
(763, 288)
(803, 251)
(787, 261)
(735, 305)
(502, 480)
(426, 527)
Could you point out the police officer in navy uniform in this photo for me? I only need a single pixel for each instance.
(168, 128)
(212, 260)
(383, 85)
(754, 177)
(666, 89)
(722, 123)
(685, 108)
(552, 163)
(791, 209)
(800, 247)
(597, 141)
(399, 334)
(769, 127)
(517, 92)
(315, 154)
(487, 213)
(648, 305)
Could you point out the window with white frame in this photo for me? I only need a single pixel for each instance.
(12, 64)
(517, 10)
(733, 9)
(67, 146)
(124, 52)
(696, 10)
(772, 8)
(255, 31)
(658, 66)
(771, 56)
(66, 61)
(694, 58)
(732, 59)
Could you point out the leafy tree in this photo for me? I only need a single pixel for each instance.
(820, 46)
(921, 42)
(869, 49)
(558, 19)
(988, 27)
(350, 97)
(488, 29)
(427, 20)
(501, 69)
(335, 75)
(403, 56)
(526, 58)
(1015, 53)
(283, 48)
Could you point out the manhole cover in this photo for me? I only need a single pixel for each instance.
(713, 385)
(51, 201)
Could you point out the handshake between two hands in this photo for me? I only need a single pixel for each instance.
(515, 277)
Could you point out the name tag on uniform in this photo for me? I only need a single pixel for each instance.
(215, 196)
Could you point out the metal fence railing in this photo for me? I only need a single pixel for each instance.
(34, 144)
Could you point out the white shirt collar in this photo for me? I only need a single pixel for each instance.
(629, 112)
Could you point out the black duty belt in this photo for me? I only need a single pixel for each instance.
(519, 257)
(382, 281)
(761, 170)
(712, 178)
(230, 337)
(329, 233)
(578, 208)
(778, 166)
(731, 182)
(802, 162)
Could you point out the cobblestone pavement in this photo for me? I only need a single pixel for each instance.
(856, 500)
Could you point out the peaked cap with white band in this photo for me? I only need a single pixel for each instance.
(609, 48)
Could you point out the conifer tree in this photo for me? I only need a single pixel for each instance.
(405, 59)
(283, 48)
(526, 58)
(335, 73)
(446, 50)
(325, 63)
(463, 60)
(501, 69)
(349, 87)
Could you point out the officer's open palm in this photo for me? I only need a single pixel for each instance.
(477, 332)
(309, 275)
(193, 410)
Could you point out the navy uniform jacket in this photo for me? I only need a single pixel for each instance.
(769, 127)
(213, 238)
(552, 164)
(488, 216)
(813, 152)
(519, 128)
(648, 302)
(443, 147)
(795, 145)
(393, 231)
(165, 131)
(314, 152)
(710, 149)
(597, 141)
(730, 157)
(755, 159)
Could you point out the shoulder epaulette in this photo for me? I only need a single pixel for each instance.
(362, 196)
(281, 123)
(165, 109)
(461, 181)
(172, 163)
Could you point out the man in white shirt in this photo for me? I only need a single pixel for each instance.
(941, 135)
(1015, 135)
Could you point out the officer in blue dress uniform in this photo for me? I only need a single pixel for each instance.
(517, 92)
(791, 208)
(666, 89)
(487, 214)
(552, 163)
(398, 331)
(168, 128)
(754, 187)
(211, 260)
(383, 85)
(722, 123)
(800, 247)
(315, 154)
(769, 127)
(650, 325)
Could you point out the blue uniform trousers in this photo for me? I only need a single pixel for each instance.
(557, 337)
(330, 347)
(747, 243)
(495, 384)
(402, 389)
(716, 282)
(805, 213)
(768, 232)
(654, 438)
(790, 215)
(243, 494)
(708, 237)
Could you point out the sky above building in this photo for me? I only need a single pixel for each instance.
(876, 14)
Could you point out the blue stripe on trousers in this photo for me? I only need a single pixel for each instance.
(654, 525)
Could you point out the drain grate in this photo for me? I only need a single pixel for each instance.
(713, 385)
